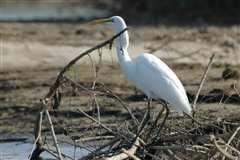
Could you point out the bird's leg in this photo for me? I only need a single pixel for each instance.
(164, 120)
(144, 122)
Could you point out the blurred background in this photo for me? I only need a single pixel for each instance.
(39, 37)
(181, 12)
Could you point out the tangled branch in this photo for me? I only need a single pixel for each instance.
(179, 140)
(39, 148)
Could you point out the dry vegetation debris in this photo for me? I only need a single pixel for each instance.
(181, 138)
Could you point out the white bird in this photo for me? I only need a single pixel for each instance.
(148, 73)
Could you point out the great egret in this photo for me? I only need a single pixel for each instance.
(148, 73)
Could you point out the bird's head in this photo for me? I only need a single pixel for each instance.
(119, 24)
(116, 21)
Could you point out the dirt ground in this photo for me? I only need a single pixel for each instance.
(32, 54)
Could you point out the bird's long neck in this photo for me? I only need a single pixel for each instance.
(127, 65)
(122, 45)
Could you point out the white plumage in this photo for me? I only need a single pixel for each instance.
(148, 73)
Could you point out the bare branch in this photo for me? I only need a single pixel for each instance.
(234, 86)
(201, 84)
(51, 128)
(185, 147)
(38, 138)
(123, 104)
(85, 114)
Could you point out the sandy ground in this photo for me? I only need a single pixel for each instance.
(32, 54)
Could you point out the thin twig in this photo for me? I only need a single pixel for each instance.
(234, 87)
(37, 132)
(52, 153)
(80, 86)
(94, 72)
(85, 114)
(195, 137)
(94, 138)
(201, 84)
(51, 128)
(177, 147)
(123, 104)
(98, 108)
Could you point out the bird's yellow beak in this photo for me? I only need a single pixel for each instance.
(97, 21)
